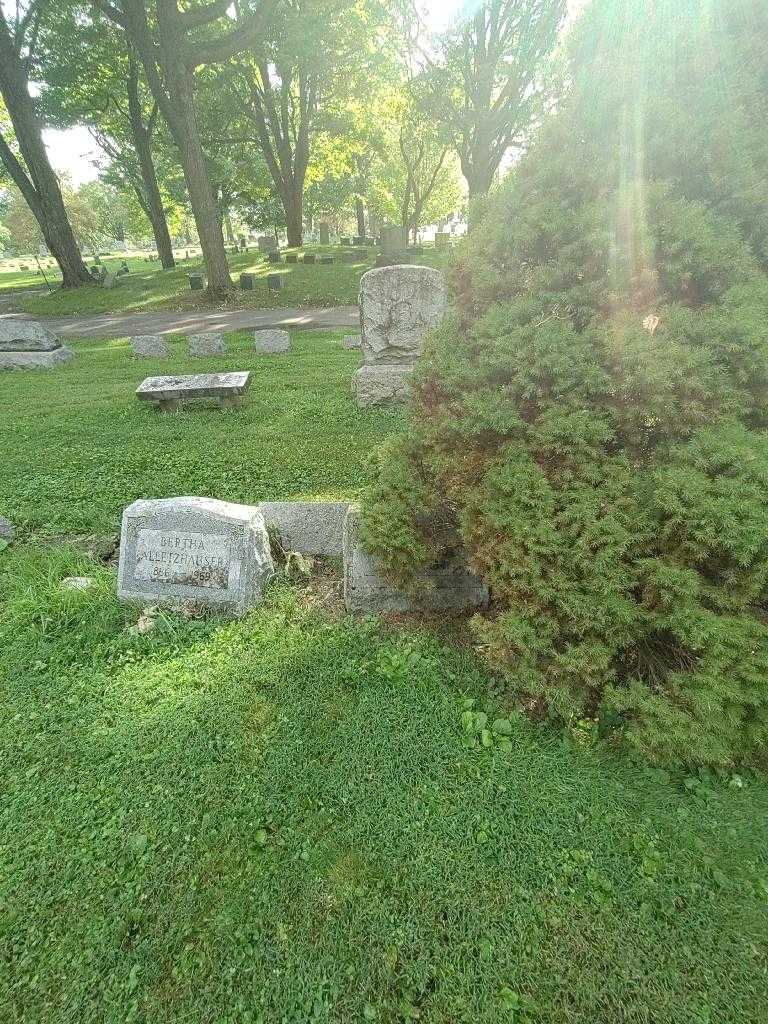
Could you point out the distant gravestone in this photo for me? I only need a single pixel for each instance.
(394, 239)
(197, 282)
(351, 257)
(398, 305)
(150, 346)
(267, 243)
(274, 257)
(442, 240)
(274, 282)
(326, 260)
(194, 551)
(347, 240)
(291, 257)
(25, 344)
(325, 234)
(450, 587)
(309, 258)
(210, 343)
(272, 342)
(247, 282)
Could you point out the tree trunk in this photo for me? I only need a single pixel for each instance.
(39, 185)
(293, 204)
(151, 200)
(182, 121)
(360, 213)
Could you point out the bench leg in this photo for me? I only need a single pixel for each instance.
(233, 402)
(168, 405)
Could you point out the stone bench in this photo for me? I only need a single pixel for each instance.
(168, 392)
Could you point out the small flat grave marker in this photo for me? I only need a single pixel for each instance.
(166, 392)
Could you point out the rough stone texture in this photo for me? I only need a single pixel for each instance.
(167, 391)
(398, 305)
(274, 282)
(150, 346)
(247, 282)
(35, 360)
(450, 588)
(26, 336)
(7, 531)
(311, 527)
(194, 552)
(393, 239)
(270, 342)
(351, 341)
(382, 384)
(209, 344)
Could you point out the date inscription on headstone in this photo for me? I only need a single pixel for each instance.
(185, 559)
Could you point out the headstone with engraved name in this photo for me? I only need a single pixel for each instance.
(195, 552)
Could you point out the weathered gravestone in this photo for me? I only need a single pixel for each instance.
(274, 257)
(309, 258)
(442, 240)
(226, 389)
(247, 282)
(150, 346)
(196, 282)
(270, 341)
(25, 344)
(274, 282)
(325, 234)
(398, 305)
(267, 243)
(291, 257)
(210, 343)
(310, 527)
(194, 552)
(449, 587)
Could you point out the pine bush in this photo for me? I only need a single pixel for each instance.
(592, 419)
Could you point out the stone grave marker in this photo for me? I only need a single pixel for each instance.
(195, 552)
(150, 346)
(450, 587)
(309, 257)
(27, 345)
(271, 342)
(394, 239)
(291, 257)
(210, 343)
(398, 305)
(274, 257)
(267, 243)
(310, 527)
(167, 392)
(197, 282)
(325, 234)
(247, 282)
(274, 282)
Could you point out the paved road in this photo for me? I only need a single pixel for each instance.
(121, 325)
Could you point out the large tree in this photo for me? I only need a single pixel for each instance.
(486, 74)
(91, 78)
(172, 44)
(29, 167)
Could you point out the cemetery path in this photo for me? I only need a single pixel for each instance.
(122, 325)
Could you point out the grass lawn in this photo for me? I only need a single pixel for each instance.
(149, 288)
(285, 819)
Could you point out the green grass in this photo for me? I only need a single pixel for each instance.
(148, 288)
(77, 446)
(291, 818)
(280, 820)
